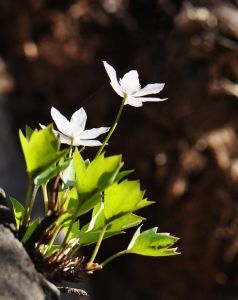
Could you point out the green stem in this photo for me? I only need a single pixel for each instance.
(70, 227)
(113, 257)
(57, 230)
(95, 252)
(45, 197)
(27, 204)
(113, 127)
(33, 197)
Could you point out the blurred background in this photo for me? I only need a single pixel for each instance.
(184, 150)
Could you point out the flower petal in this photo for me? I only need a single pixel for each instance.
(153, 88)
(61, 122)
(147, 99)
(113, 77)
(136, 102)
(63, 138)
(89, 143)
(130, 82)
(78, 121)
(93, 133)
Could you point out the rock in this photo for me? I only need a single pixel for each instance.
(18, 276)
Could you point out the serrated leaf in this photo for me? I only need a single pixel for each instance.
(40, 151)
(74, 203)
(92, 178)
(98, 221)
(96, 175)
(32, 227)
(18, 210)
(127, 221)
(151, 243)
(29, 132)
(121, 175)
(123, 198)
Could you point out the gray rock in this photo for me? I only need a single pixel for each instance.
(18, 276)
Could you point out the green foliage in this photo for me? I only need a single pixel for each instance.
(94, 177)
(52, 171)
(97, 175)
(18, 210)
(151, 243)
(32, 227)
(123, 198)
(41, 150)
(88, 202)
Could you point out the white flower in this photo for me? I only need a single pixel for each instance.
(129, 87)
(72, 132)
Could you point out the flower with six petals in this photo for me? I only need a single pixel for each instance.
(73, 132)
(129, 86)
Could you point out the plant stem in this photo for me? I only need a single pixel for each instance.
(45, 196)
(113, 127)
(113, 257)
(95, 252)
(70, 227)
(33, 197)
(57, 230)
(27, 203)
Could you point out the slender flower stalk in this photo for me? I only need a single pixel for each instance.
(113, 126)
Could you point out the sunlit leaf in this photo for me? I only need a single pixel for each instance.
(40, 151)
(123, 198)
(94, 177)
(151, 243)
(98, 221)
(18, 210)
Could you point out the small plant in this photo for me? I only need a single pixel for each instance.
(73, 186)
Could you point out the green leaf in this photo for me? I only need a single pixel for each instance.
(74, 232)
(40, 151)
(52, 171)
(72, 202)
(90, 233)
(123, 198)
(53, 249)
(98, 221)
(127, 221)
(151, 243)
(123, 174)
(94, 177)
(98, 174)
(29, 132)
(68, 175)
(18, 211)
(91, 237)
(30, 230)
